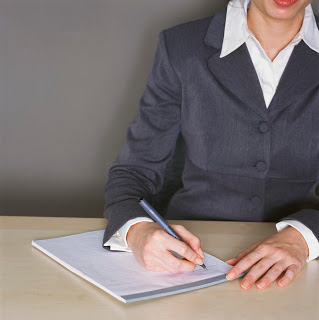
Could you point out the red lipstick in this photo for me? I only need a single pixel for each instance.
(285, 3)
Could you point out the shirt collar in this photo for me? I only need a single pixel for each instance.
(236, 30)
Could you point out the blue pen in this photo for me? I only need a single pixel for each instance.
(161, 221)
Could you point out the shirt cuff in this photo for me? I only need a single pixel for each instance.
(118, 240)
(312, 241)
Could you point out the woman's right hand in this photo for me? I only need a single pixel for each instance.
(151, 246)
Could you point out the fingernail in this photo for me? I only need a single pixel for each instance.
(201, 253)
(245, 284)
(228, 261)
(261, 284)
(230, 276)
(199, 261)
(282, 283)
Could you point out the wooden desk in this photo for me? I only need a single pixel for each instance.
(36, 287)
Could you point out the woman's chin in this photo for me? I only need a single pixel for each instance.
(284, 9)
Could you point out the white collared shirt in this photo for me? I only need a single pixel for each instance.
(269, 72)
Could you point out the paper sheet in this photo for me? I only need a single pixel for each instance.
(120, 274)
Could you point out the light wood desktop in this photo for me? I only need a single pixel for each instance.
(36, 287)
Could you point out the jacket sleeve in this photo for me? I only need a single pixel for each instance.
(307, 216)
(311, 240)
(138, 170)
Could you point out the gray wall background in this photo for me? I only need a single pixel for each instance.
(72, 73)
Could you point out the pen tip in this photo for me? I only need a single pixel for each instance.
(203, 266)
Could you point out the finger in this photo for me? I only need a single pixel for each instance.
(274, 272)
(242, 254)
(256, 272)
(192, 240)
(176, 265)
(288, 276)
(231, 261)
(245, 263)
(182, 249)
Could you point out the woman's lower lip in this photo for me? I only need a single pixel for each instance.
(285, 3)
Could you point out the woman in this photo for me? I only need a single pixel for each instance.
(241, 88)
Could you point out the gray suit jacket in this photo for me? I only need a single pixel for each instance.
(241, 160)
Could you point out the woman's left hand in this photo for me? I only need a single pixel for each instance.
(285, 251)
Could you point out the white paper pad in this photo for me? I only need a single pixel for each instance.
(120, 274)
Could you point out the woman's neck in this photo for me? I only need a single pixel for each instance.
(273, 34)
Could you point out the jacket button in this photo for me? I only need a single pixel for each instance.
(263, 126)
(256, 201)
(261, 165)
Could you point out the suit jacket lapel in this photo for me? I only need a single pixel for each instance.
(235, 71)
(300, 75)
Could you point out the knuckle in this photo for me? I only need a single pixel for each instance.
(260, 267)
(178, 227)
(182, 249)
(263, 247)
(248, 260)
(196, 240)
(297, 264)
(277, 270)
(285, 254)
(156, 235)
(279, 252)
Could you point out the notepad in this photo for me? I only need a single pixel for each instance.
(120, 274)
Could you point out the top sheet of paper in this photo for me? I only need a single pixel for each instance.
(120, 274)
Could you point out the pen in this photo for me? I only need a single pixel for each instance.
(161, 221)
